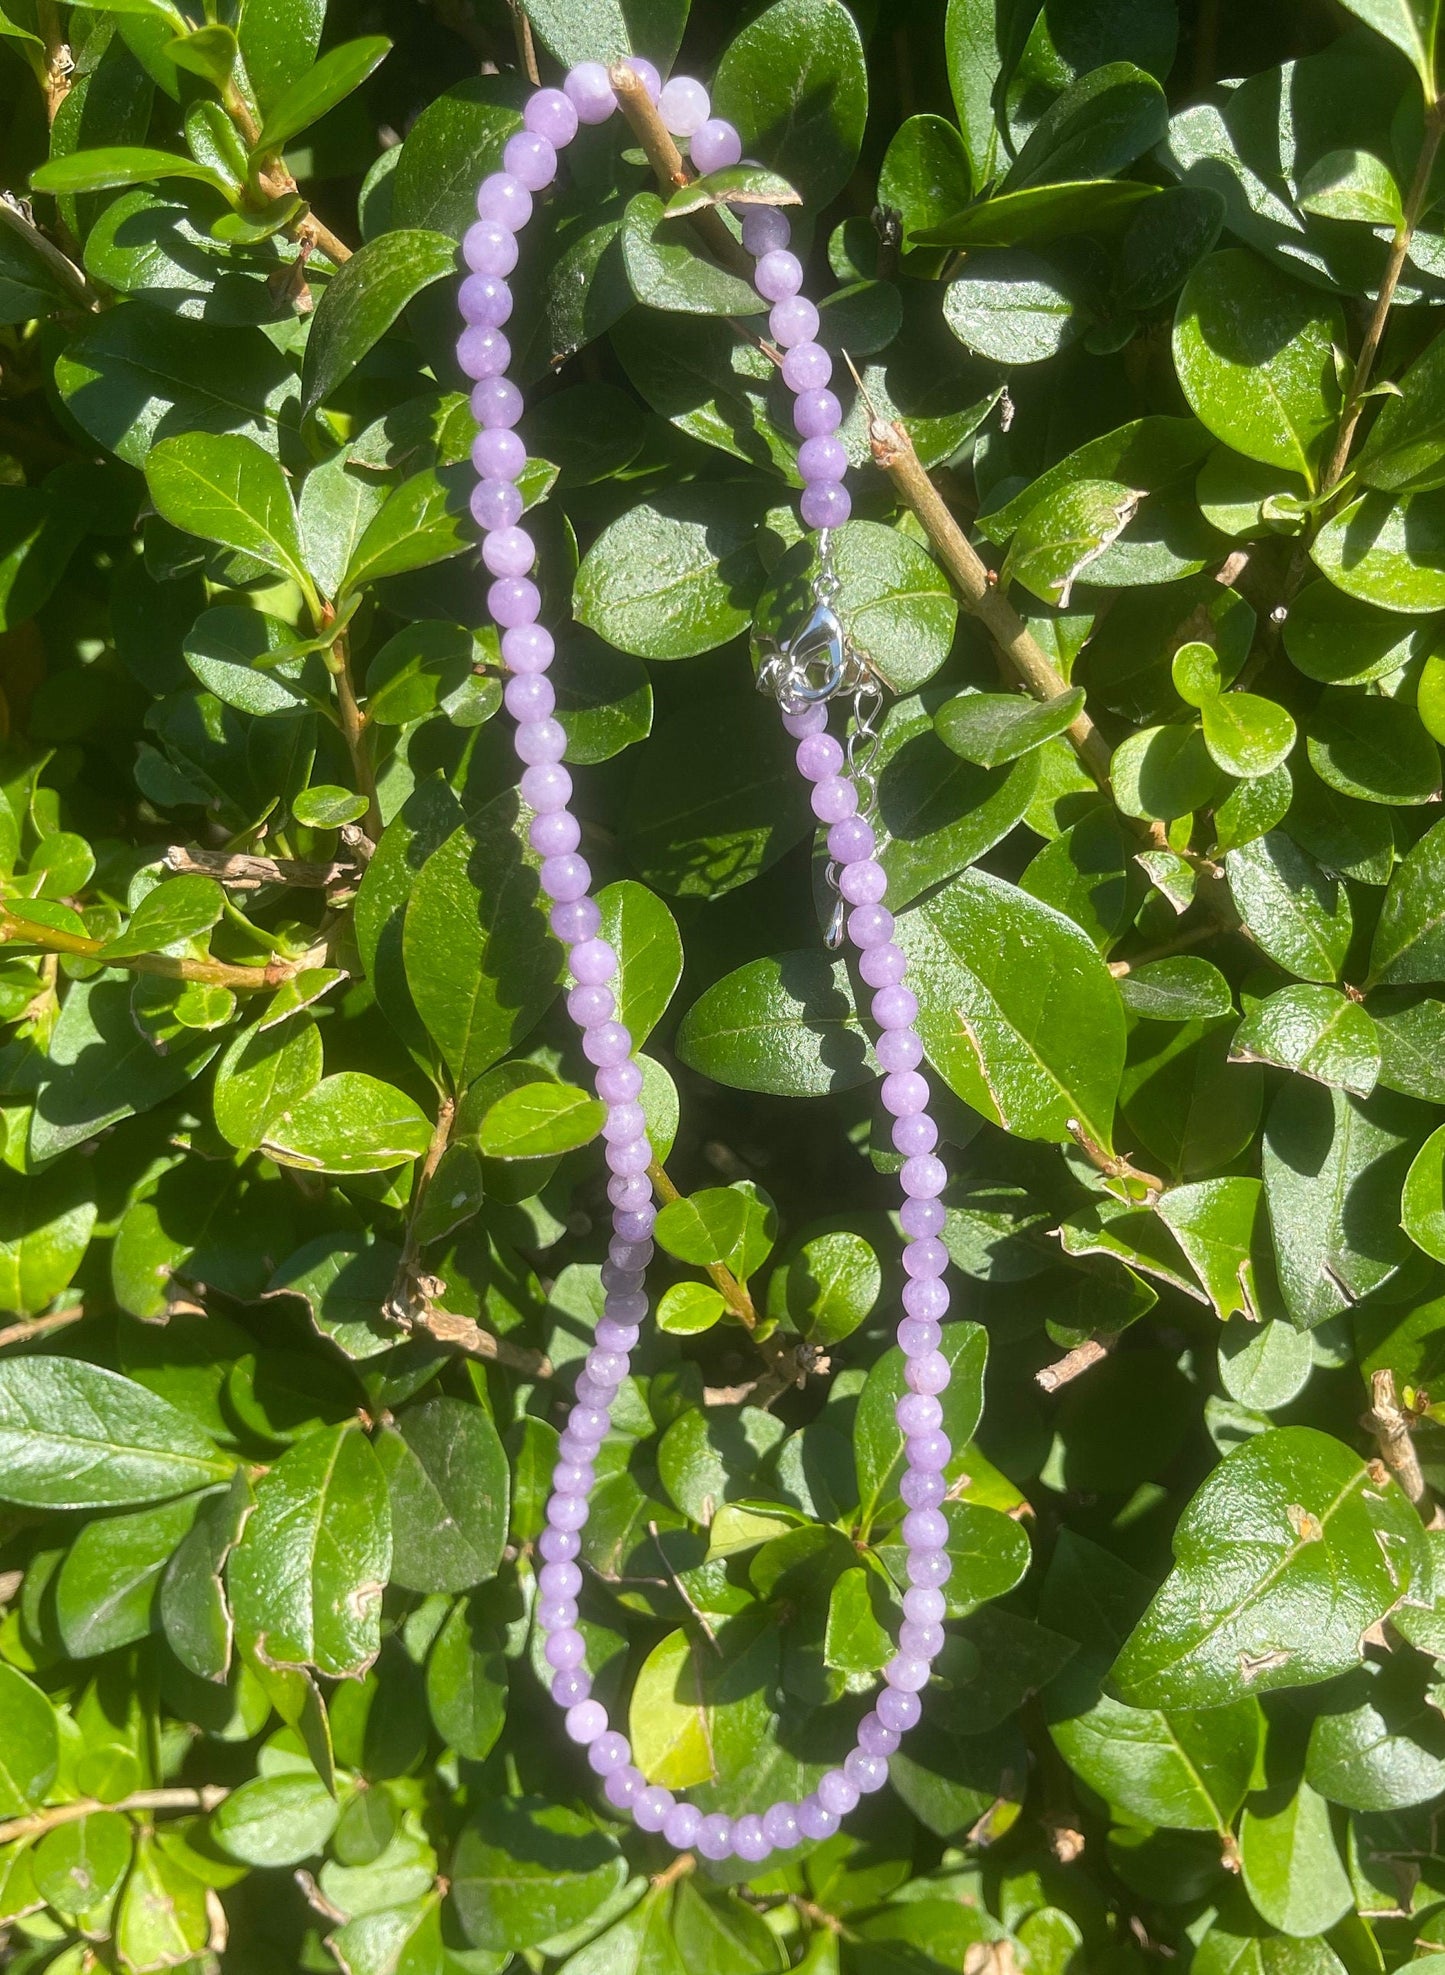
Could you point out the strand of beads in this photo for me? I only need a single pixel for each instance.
(504, 204)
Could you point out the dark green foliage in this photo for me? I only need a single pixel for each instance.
(302, 1202)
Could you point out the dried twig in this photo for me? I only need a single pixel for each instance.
(671, 170)
(37, 1821)
(21, 1333)
(1391, 1425)
(1074, 1363)
(241, 871)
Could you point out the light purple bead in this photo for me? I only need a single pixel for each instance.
(917, 1335)
(646, 73)
(495, 504)
(818, 757)
(924, 1642)
(927, 1257)
(482, 352)
(895, 1008)
(485, 301)
(530, 697)
(836, 1793)
(898, 1710)
(498, 454)
(715, 1836)
(627, 1194)
(681, 1826)
(609, 1752)
(884, 966)
(607, 1367)
(873, 1738)
(527, 647)
(818, 459)
(683, 106)
(558, 1546)
(833, 799)
(566, 1649)
(793, 320)
(807, 367)
(923, 1488)
(918, 1412)
(925, 1529)
(490, 248)
(915, 1216)
(928, 1301)
(561, 1579)
(571, 1684)
(512, 600)
(509, 552)
(816, 413)
(633, 1157)
(496, 401)
(899, 1049)
(807, 720)
(906, 1673)
(624, 1120)
(624, 1789)
(903, 1093)
(927, 1375)
(586, 1721)
(929, 1567)
(530, 158)
(777, 275)
(863, 883)
(593, 962)
(914, 1134)
(866, 1773)
(828, 504)
(750, 1840)
(716, 145)
(617, 1083)
(577, 920)
(635, 1223)
(627, 1255)
(815, 1821)
(504, 198)
(929, 1452)
(780, 1826)
(566, 878)
(651, 1808)
(870, 925)
(851, 840)
(926, 1175)
(539, 741)
(567, 1512)
(573, 1478)
(553, 115)
(617, 1337)
(590, 93)
(765, 230)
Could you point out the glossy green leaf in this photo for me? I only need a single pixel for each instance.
(1291, 1868)
(1297, 913)
(676, 575)
(446, 1477)
(524, 1871)
(320, 88)
(74, 1435)
(540, 1121)
(1422, 1204)
(732, 1225)
(1317, 1031)
(787, 1025)
(347, 1123)
(363, 301)
(228, 489)
(105, 1593)
(794, 85)
(29, 1745)
(275, 1820)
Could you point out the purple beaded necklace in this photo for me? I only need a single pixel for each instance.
(815, 665)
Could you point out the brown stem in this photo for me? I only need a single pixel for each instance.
(526, 47)
(1194, 937)
(243, 872)
(205, 1798)
(406, 1284)
(671, 171)
(59, 63)
(679, 1868)
(171, 967)
(20, 1333)
(1074, 1363)
(60, 265)
(1391, 1425)
(1399, 247)
(353, 729)
(893, 451)
(469, 1337)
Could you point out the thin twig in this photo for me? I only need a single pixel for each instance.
(21, 1333)
(526, 47)
(206, 1798)
(353, 729)
(60, 265)
(468, 1337)
(681, 1589)
(244, 872)
(679, 1868)
(670, 169)
(1074, 1363)
(59, 62)
(1194, 937)
(169, 966)
(1391, 1425)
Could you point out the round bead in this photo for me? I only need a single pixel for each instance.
(778, 274)
(925, 1529)
(609, 1752)
(617, 1083)
(482, 352)
(765, 229)
(498, 454)
(624, 1787)
(590, 93)
(553, 115)
(815, 1821)
(882, 966)
(528, 647)
(905, 1092)
(826, 505)
(929, 1567)
(929, 1452)
(715, 1836)
(898, 1710)
(504, 198)
(529, 696)
(651, 1807)
(496, 401)
(824, 458)
(495, 504)
(571, 1684)
(586, 1721)
(567, 1512)
(836, 1793)
(793, 320)
(780, 1826)
(530, 158)
(683, 106)
(917, 1133)
(851, 840)
(490, 248)
(566, 1648)
(927, 1257)
(807, 367)
(806, 720)
(818, 757)
(681, 1826)
(558, 1545)
(816, 413)
(924, 1606)
(874, 1739)
(834, 799)
(593, 961)
(906, 1673)
(485, 301)
(509, 552)
(863, 883)
(895, 1007)
(749, 1839)
(865, 1772)
(918, 1412)
(917, 1335)
(716, 145)
(647, 74)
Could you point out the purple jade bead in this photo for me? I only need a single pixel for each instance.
(550, 121)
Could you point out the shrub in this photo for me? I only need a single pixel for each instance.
(302, 1202)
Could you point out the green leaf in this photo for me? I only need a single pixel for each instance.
(1409, 944)
(348, 1123)
(1163, 772)
(107, 165)
(1373, 748)
(447, 1479)
(307, 1576)
(878, 1440)
(794, 85)
(1413, 26)
(732, 1225)
(231, 653)
(363, 301)
(321, 88)
(644, 936)
(265, 1071)
(1011, 306)
(1377, 1743)
(991, 728)
(1264, 1366)
(1317, 1031)
(1387, 551)
(419, 523)
(29, 1744)
(925, 177)
(1095, 128)
(35, 278)
(209, 52)
(1061, 535)
(540, 1121)
(1287, 1554)
(892, 601)
(1297, 913)
(788, 1025)
(327, 806)
(1037, 213)
(827, 1288)
(1256, 357)
(79, 1867)
(1351, 184)
(1333, 1167)
(417, 670)
(1017, 1011)
(106, 1590)
(668, 269)
(1182, 988)
(275, 1820)
(466, 1681)
(227, 489)
(1422, 1205)
(1338, 640)
(195, 1614)
(480, 961)
(677, 574)
(1246, 735)
(524, 1871)
(1181, 1770)
(455, 142)
(670, 1720)
(1291, 1868)
(45, 1229)
(75, 1436)
(176, 911)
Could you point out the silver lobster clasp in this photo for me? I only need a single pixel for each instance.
(816, 663)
